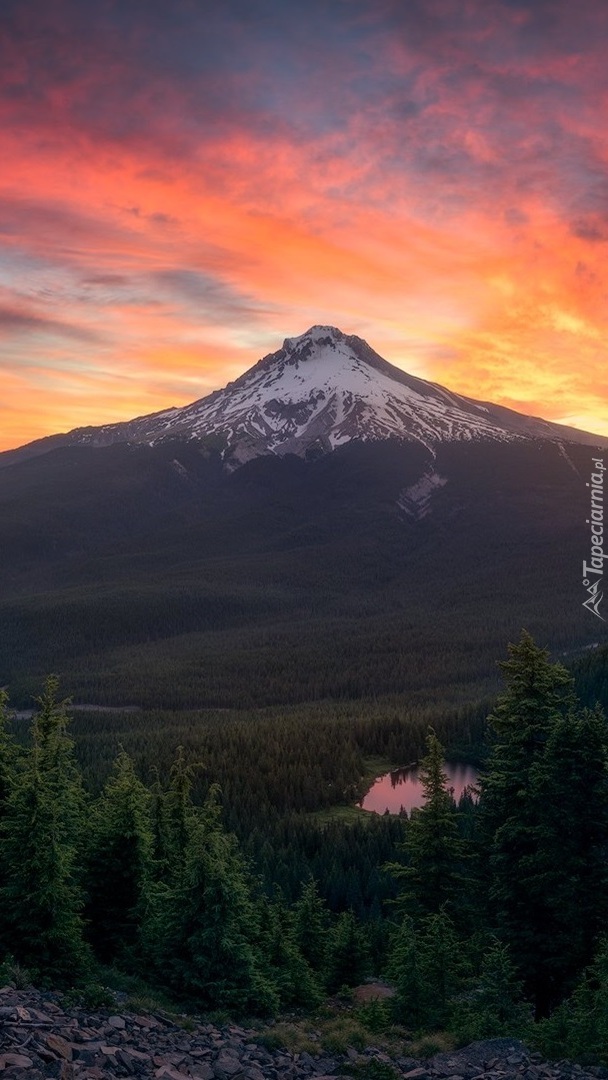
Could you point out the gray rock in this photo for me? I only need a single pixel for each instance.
(326, 1066)
(73, 1045)
(227, 1065)
(8, 1012)
(126, 1061)
(305, 1059)
(86, 1055)
(201, 1071)
(59, 1046)
(117, 1022)
(16, 1072)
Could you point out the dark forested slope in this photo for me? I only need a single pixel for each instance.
(154, 578)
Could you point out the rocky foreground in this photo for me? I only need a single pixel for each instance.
(41, 1037)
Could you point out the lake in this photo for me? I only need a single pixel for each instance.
(402, 788)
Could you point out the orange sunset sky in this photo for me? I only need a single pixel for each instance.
(184, 183)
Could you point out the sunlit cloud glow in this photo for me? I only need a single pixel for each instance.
(182, 188)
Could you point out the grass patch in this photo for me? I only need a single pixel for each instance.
(291, 1037)
(13, 974)
(440, 1042)
(335, 1029)
(344, 1032)
(346, 814)
(134, 994)
(373, 1070)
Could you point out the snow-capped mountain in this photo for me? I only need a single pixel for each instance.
(319, 391)
(435, 528)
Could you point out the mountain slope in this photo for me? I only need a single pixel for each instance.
(150, 575)
(322, 390)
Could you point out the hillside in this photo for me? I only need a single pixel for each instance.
(374, 569)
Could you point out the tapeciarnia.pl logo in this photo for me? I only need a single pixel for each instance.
(593, 571)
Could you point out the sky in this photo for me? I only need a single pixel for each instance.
(185, 183)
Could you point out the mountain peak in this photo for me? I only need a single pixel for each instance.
(321, 390)
(317, 334)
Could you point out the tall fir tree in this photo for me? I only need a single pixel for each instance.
(349, 960)
(312, 929)
(493, 1005)
(578, 1028)
(542, 837)
(290, 973)
(119, 864)
(41, 836)
(433, 878)
(404, 971)
(179, 813)
(440, 965)
(567, 880)
(425, 969)
(537, 693)
(203, 931)
(8, 754)
(8, 777)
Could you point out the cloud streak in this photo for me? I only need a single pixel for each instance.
(14, 321)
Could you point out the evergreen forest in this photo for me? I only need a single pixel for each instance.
(221, 857)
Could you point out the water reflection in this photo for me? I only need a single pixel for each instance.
(402, 789)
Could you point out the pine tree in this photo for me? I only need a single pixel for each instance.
(405, 974)
(494, 1005)
(158, 824)
(543, 809)
(567, 880)
(538, 692)
(8, 754)
(440, 952)
(349, 954)
(290, 973)
(8, 777)
(179, 813)
(578, 1029)
(312, 929)
(40, 836)
(425, 969)
(543, 837)
(433, 876)
(119, 863)
(203, 933)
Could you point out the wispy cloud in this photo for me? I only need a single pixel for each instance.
(15, 321)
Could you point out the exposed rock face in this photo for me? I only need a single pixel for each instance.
(40, 1038)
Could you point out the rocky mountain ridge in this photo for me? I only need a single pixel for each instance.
(41, 1036)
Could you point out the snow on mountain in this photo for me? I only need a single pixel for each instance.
(321, 390)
